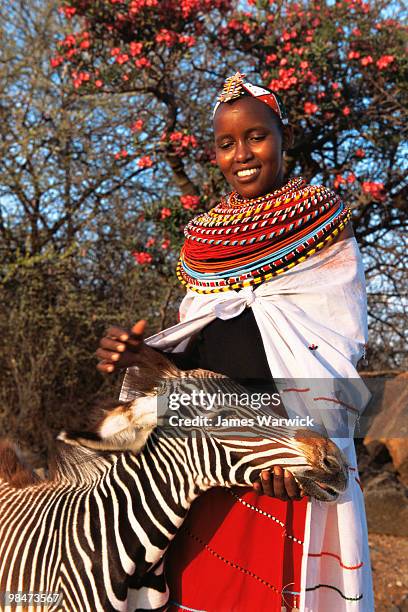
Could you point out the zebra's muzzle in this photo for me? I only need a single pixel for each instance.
(323, 491)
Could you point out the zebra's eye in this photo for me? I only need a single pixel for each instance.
(328, 463)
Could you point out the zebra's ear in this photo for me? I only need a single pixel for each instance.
(126, 427)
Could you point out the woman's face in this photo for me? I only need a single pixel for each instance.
(248, 144)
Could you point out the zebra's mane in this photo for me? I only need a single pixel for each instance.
(62, 458)
(68, 459)
(13, 468)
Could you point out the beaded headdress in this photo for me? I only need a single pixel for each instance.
(235, 87)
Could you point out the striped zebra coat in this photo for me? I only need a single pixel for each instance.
(96, 531)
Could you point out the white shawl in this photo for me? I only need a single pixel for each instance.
(320, 302)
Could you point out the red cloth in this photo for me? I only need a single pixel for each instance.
(229, 557)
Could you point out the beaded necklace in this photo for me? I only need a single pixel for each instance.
(240, 242)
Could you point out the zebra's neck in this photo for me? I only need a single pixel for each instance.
(153, 490)
(80, 466)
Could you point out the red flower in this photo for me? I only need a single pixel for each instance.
(269, 59)
(120, 154)
(98, 83)
(142, 258)
(143, 62)
(145, 162)
(71, 53)
(122, 58)
(182, 141)
(164, 213)
(68, 11)
(365, 61)
(346, 111)
(359, 153)
(353, 55)
(190, 202)
(176, 136)
(188, 141)
(190, 41)
(56, 61)
(312, 78)
(385, 61)
(69, 41)
(285, 81)
(150, 242)
(79, 78)
(233, 24)
(310, 108)
(338, 181)
(137, 125)
(135, 48)
(166, 36)
(165, 244)
(136, 5)
(376, 190)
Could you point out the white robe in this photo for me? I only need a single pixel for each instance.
(321, 302)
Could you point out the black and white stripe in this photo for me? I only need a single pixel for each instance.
(97, 530)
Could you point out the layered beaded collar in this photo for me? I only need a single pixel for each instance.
(240, 242)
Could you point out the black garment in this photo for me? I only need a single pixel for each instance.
(233, 347)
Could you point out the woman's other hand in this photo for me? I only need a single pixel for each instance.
(119, 348)
(278, 483)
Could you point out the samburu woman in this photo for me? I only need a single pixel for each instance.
(275, 290)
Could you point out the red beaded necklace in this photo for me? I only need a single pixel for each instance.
(246, 242)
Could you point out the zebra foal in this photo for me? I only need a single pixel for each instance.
(97, 529)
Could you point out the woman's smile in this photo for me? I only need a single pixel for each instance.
(247, 175)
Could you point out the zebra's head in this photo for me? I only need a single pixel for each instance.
(317, 464)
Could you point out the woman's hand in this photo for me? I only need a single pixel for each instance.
(278, 483)
(119, 348)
